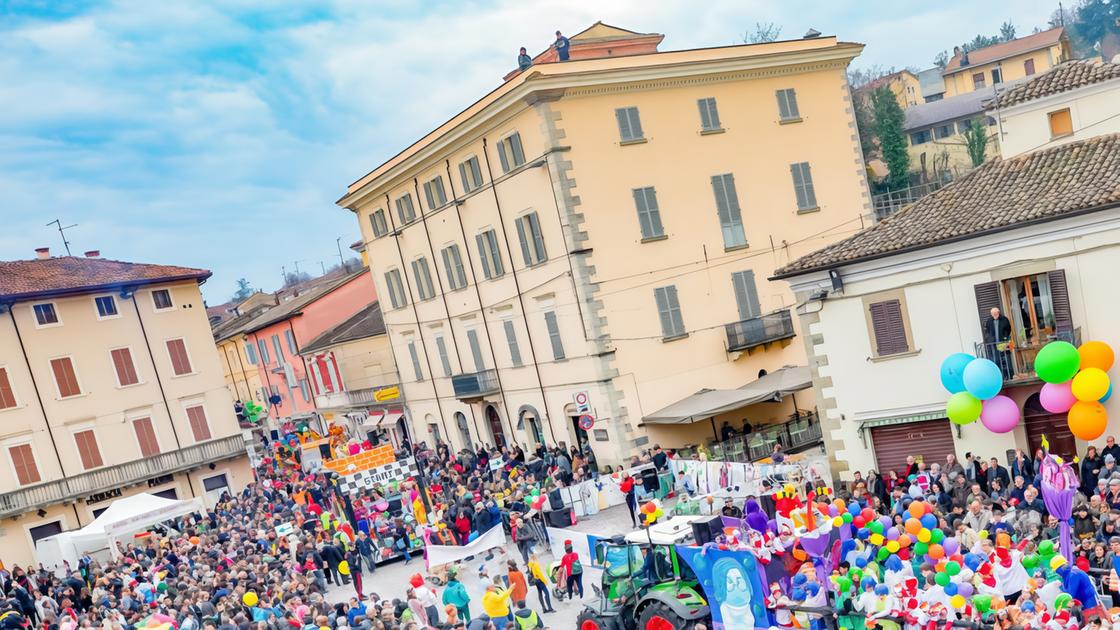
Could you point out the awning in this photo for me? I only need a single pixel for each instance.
(382, 420)
(707, 403)
(390, 419)
(373, 420)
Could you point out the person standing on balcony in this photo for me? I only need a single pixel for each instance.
(997, 337)
(727, 431)
(562, 46)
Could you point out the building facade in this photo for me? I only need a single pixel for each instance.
(592, 239)
(109, 386)
(905, 86)
(1005, 61)
(1035, 236)
(243, 379)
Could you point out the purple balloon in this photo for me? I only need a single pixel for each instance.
(832, 511)
(964, 589)
(951, 546)
(999, 414)
(885, 520)
(1057, 397)
(892, 533)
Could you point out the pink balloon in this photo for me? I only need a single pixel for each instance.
(1057, 397)
(999, 414)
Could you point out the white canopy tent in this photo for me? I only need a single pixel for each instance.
(129, 515)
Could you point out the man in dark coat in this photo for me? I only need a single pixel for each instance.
(997, 335)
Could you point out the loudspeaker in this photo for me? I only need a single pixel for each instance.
(650, 481)
(560, 518)
(555, 500)
(708, 530)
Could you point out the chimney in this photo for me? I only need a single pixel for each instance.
(43, 253)
(93, 253)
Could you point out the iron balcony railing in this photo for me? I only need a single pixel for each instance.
(354, 398)
(475, 385)
(759, 330)
(1016, 358)
(800, 431)
(888, 203)
(118, 476)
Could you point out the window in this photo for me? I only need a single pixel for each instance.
(943, 131)
(7, 394)
(278, 348)
(997, 76)
(490, 255)
(1041, 310)
(470, 173)
(441, 348)
(251, 353)
(264, 352)
(746, 294)
(45, 315)
(803, 186)
(629, 124)
(727, 204)
(23, 460)
(424, 289)
(649, 215)
(476, 350)
(200, 428)
(1061, 123)
(963, 126)
(978, 81)
(532, 241)
(396, 288)
(146, 436)
(453, 268)
(88, 451)
(787, 105)
(293, 349)
(554, 335)
(162, 299)
(510, 152)
(305, 390)
(65, 378)
(124, 367)
(406, 213)
(920, 137)
(888, 328)
(709, 115)
(106, 306)
(669, 309)
(1028, 67)
(415, 361)
(180, 362)
(434, 193)
(377, 222)
(511, 339)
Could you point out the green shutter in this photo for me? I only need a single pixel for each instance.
(484, 257)
(554, 335)
(524, 238)
(503, 147)
(746, 294)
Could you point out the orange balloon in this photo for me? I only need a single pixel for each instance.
(1096, 354)
(913, 526)
(936, 551)
(800, 555)
(840, 505)
(917, 509)
(1087, 420)
(904, 541)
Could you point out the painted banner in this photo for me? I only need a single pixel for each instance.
(445, 554)
(582, 543)
(733, 584)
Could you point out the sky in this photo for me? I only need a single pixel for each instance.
(220, 134)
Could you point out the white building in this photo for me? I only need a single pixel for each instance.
(1037, 235)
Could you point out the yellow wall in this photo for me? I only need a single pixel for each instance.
(242, 377)
(1012, 68)
(366, 363)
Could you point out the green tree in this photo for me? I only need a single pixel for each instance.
(865, 125)
(1007, 31)
(762, 33)
(976, 141)
(1090, 22)
(892, 141)
(980, 41)
(244, 290)
(942, 59)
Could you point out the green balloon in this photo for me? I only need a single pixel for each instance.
(921, 548)
(843, 584)
(876, 527)
(963, 408)
(1030, 561)
(1046, 547)
(883, 554)
(847, 517)
(162, 587)
(942, 579)
(936, 535)
(983, 603)
(1057, 362)
(952, 567)
(1063, 601)
(856, 574)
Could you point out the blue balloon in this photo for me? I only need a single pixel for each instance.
(882, 589)
(799, 579)
(929, 521)
(973, 561)
(861, 562)
(797, 594)
(951, 589)
(1107, 394)
(952, 371)
(983, 379)
(854, 509)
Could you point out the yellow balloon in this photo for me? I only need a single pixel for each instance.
(250, 598)
(876, 539)
(344, 567)
(957, 601)
(892, 546)
(924, 536)
(837, 522)
(1056, 562)
(1090, 384)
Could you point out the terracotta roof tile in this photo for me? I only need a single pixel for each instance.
(1004, 50)
(1062, 78)
(28, 279)
(999, 195)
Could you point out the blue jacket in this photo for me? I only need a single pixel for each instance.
(1077, 583)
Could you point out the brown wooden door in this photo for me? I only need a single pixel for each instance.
(1039, 422)
(931, 440)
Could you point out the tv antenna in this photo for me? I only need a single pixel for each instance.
(62, 230)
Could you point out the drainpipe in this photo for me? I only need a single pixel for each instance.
(38, 397)
(231, 376)
(267, 381)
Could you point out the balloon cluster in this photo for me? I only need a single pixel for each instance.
(1076, 383)
(975, 385)
(536, 499)
(652, 511)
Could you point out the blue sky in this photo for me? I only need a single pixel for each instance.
(219, 134)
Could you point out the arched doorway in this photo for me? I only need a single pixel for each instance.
(495, 421)
(529, 420)
(464, 430)
(1039, 422)
(433, 429)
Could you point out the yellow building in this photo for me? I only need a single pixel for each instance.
(239, 357)
(903, 84)
(1006, 61)
(593, 238)
(109, 386)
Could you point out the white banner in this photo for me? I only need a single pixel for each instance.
(445, 554)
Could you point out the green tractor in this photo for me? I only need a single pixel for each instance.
(645, 584)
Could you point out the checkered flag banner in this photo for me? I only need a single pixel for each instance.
(367, 479)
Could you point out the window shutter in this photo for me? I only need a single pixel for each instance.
(643, 212)
(476, 350)
(720, 190)
(126, 371)
(7, 396)
(463, 175)
(517, 149)
(635, 122)
(503, 149)
(538, 238)
(554, 335)
(484, 256)
(441, 348)
(987, 298)
(705, 117)
(1059, 301)
(24, 462)
(889, 329)
(746, 294)
(524, 238)
(661, 294)
(511, 338)
(624, 130)
(476, 172)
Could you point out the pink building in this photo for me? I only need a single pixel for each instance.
(277, 335)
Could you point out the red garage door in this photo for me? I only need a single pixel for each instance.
(931, 440)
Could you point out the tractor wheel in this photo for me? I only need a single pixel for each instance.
(590, 620)
(658, 616)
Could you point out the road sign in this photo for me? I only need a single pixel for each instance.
(586, 422)
(583, 402)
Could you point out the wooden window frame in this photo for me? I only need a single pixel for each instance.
(132, 420)
(116, 372)
(896, 295)
(198, 404)
(12, 395)
(17, 443)
(186, 352)
(100, 457)
(77, 377)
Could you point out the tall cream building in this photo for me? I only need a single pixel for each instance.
(594, 237)
(109, 385)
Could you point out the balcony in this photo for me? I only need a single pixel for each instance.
(758, 331)
(359, 397)
(801, 431)
(889, 203)
(1016, 360)
(474, 386)
(76, 487)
